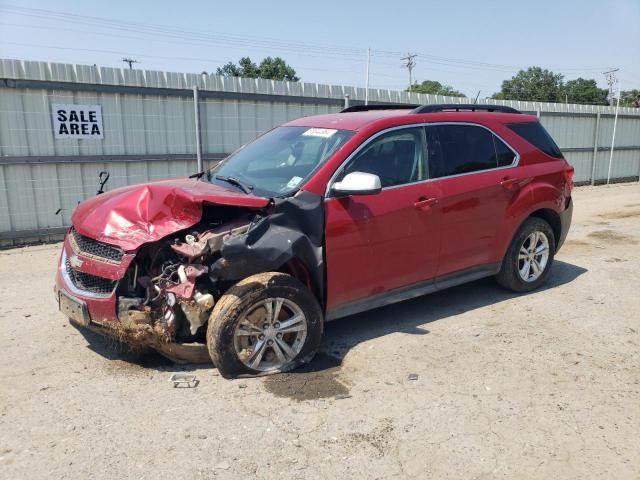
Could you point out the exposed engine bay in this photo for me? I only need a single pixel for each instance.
(170, 289)
(167, 290)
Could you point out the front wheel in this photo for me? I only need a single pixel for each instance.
(529, 258)
(266, 323)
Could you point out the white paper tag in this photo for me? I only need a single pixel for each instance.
(293, 183)
(319, 132)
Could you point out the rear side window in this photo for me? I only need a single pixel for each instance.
(505, 154)
(455, 149)
(536, 135)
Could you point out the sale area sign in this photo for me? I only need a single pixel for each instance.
(77, 121)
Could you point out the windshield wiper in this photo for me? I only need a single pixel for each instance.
(234, 181)
(198, 175)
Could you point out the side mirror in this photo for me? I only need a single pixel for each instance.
(357, 183)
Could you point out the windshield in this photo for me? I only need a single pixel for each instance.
(280, 161)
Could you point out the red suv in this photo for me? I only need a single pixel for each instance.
(320, 218)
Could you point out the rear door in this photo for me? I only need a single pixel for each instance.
(378, 243)
(477, 177)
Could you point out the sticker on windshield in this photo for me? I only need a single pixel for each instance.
(319, 132)
(294, 182)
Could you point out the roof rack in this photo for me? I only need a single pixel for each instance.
(456, 107)
(386, 106)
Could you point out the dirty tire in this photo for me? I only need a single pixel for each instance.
(508, 276)
(229, 310)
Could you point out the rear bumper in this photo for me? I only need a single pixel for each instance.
(565, 222)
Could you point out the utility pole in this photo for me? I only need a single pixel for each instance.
(610, 75)
(613, 137)
(366, 84)
(409, 64)
(130, 61)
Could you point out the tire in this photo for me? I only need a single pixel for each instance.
(510, 275)
(243, 322)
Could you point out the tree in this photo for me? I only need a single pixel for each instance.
(245, 68)
(630, 98)
(585, 91)
(270, 68)
(277, 69)
(229, 69)
(435, 88)
(534, 84)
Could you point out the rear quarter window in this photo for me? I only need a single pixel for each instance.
(536, 135)
(455, 149)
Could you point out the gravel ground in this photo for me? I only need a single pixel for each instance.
(466, 383)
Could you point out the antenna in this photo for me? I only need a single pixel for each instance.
(409, 64)
(612, 81)
(130, 61)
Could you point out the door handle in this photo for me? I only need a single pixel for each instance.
(425, 203)
(509, 183)
(513, 184)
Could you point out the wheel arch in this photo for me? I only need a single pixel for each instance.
(298, 269)
(518, 213)
(552, 218)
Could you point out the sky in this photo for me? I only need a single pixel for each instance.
(471, 45)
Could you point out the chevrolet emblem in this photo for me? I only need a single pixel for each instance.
(75, 262)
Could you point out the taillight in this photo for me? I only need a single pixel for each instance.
(568, 176)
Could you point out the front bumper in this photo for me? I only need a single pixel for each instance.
(99, 312)
(98, 308)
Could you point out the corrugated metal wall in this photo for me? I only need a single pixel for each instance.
(149, 132)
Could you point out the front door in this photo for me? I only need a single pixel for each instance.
(382, 242)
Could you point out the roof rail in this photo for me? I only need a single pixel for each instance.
(386, 106)
(456, 107)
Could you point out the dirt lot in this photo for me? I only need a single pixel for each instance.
(467, 383)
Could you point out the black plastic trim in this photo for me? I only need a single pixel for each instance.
(565, 222)
(456, 107)
(384, 106)
(413, 291)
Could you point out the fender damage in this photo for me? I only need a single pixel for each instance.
(192, 241)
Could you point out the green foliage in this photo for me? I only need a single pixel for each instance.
(229, 69)
(534, 84)
(270, 68)
(630, 98)
(277, 69)
(586, 92)
(435, 88)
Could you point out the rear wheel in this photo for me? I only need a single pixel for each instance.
(266, 323)
(529, 258)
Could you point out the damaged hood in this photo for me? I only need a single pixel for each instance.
(138, 214)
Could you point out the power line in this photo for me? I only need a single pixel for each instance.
(124, 25)
(164, 57)
(245, 41)
(170, 34)
(305, 54)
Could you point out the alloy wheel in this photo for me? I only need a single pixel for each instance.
(533, 256)
(270, 334)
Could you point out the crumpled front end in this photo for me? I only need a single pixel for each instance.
(160, 294)
(154, 297)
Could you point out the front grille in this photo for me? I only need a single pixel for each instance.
(98, 250)
(90, 283)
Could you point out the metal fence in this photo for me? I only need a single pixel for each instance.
(150, 119)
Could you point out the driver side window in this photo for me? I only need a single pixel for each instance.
(396, 157)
